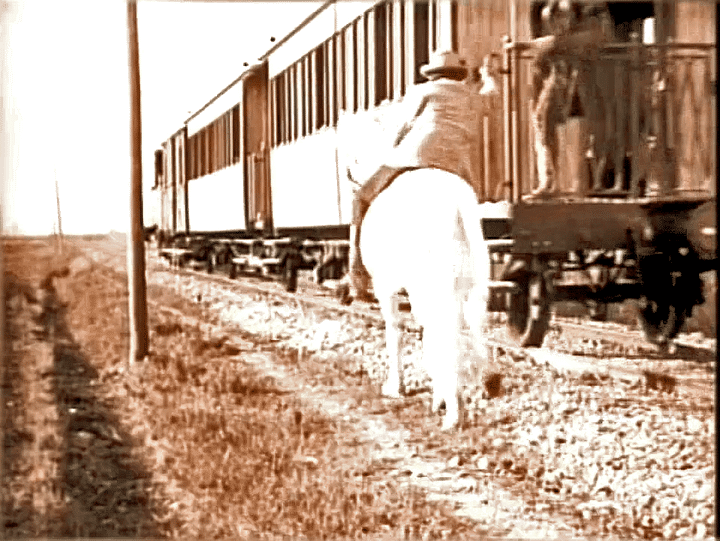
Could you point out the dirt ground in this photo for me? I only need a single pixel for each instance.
(194, 443)
(214, 435)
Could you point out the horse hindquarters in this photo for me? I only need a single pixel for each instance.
(418, 235)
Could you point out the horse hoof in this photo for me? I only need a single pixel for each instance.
(391, 391)
(449, 424)
(437, 405)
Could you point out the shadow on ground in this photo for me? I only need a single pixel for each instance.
(93, 485)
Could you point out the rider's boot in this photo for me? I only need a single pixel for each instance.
(360, 281)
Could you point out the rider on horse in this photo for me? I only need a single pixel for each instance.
(436, 127)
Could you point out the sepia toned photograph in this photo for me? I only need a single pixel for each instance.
(358, 269)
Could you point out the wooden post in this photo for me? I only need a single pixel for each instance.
(60, 238)
(135, 242)
(6, 12)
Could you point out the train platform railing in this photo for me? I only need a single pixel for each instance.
(643, 124)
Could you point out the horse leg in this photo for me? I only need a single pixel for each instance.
(440, 317)
(390, 309)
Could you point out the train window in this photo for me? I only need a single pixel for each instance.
(298, 100)
(225, 140)
(282, 116)
(213, 147)
(328, 70)
(285, 136)
(381, 53)
(189, 157)
(198, 155)
(628, 18)
(302, 97)
(421, 34)
(229, 146)
(320, 81)
(353, 86)
(236, 133)
(274, 90)
(366, 52)
(280, 90)
(341, 77)
(434, 22)
(402, 47)
(201, 153)
(158, 168)
(229, 134)
(454, 30)
(289, 92)
(208, 150)
(287, 110)
(206, 137)
(389, 40)
(217, 143)
(297, 78)
(292, 134)
(308, 88)
(304, 76)
(221, 142)
(192, 155)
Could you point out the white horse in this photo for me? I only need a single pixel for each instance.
(423, 234)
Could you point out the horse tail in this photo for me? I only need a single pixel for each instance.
(478, 265)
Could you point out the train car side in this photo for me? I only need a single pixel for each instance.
(265, 160)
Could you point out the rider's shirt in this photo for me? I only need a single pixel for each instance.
(435, 125)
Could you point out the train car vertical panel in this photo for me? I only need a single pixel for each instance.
(692, 71)
(256, 149)
(307, 190)
(216, 185)
(474, 28)
(182, 201)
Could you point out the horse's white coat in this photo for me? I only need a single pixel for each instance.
(423, 234)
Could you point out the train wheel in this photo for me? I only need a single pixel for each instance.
(290, 275)
(660, 321)
(673, 287)
(528, 311)
(212, 262)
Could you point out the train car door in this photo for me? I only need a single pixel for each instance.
(171, 184)
(256, 151)
(693, 76)
(181, 201)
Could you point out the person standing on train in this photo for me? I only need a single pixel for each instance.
(568, 28)
(435, 125)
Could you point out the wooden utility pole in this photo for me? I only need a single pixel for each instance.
(61, 241)
(135, 242)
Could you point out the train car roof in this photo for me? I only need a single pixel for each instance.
(252, 69)
(297, 29)
(249, 71)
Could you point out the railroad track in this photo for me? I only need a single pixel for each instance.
(654, 368)
(690, 366)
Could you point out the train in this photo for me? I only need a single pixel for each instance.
(255, 180)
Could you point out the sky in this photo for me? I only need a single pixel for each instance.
(65, 97)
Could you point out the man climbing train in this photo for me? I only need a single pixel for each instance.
(436, 126)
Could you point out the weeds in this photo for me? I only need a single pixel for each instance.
(218, 449)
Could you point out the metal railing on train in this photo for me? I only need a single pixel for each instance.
(645, 125)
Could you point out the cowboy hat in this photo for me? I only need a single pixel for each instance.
(554, 7)
(445, 62)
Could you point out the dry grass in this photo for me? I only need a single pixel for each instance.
(191, 443)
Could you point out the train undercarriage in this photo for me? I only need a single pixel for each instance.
(599, 254)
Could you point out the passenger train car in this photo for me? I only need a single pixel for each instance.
(256, 178)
